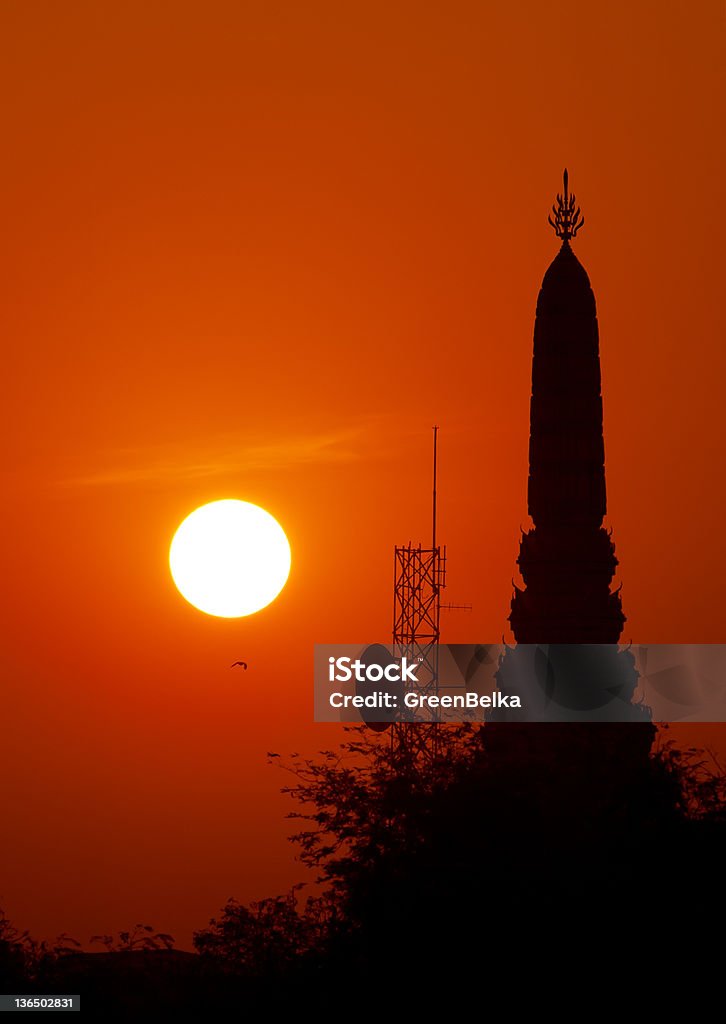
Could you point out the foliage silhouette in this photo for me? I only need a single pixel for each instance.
(25, 959)
(407, 852)
(267, 937)
(141, 936)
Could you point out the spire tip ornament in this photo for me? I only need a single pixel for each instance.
(567, 217)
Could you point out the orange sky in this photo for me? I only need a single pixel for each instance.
(256, 250)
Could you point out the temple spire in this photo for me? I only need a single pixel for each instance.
(568, 219)
(567, 559)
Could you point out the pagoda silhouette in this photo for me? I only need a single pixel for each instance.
(567, 560)
(567, 619)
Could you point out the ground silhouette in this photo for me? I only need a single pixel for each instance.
(424, 875)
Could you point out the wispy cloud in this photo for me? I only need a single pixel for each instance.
(179, 462)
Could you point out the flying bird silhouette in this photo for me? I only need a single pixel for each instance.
(242, 663)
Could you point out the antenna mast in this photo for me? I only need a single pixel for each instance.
(433, 532)
(419, 578)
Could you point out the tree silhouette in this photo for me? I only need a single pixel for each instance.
(14, 958)
(267, 937)
(141, 936)
(408, 851)
(25, 959)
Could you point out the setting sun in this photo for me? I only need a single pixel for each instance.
(229, 558)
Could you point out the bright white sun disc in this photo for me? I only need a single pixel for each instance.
(229, 558)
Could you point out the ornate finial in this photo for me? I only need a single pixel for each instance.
(568, 219)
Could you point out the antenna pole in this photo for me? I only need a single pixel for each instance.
(433, 533)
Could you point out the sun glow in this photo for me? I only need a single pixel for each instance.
(229, 558)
